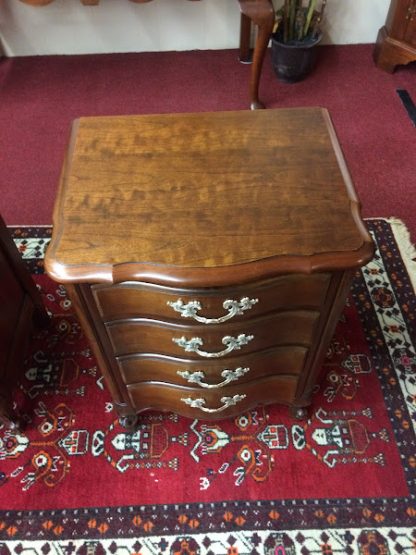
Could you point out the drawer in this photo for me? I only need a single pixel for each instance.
(210, 374)
(199, 342)
(212, 404)
(135, 299)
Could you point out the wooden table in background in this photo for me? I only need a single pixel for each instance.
(257, 12)
(208, 255)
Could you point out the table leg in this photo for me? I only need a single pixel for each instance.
(261, 13)
(245, 56)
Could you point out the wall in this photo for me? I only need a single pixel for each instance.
(67, 27)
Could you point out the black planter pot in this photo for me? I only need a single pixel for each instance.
(292, 62)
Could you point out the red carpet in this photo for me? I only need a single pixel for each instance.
(343, 481)
(40, 96)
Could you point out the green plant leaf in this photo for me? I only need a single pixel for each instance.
(310, 12)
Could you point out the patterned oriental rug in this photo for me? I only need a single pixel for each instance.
(342, 482)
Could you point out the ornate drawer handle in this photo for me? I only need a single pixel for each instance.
(189, 310)
(233, 343)
(227, 402)
(229, 375)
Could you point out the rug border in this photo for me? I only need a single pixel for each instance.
(404, 243)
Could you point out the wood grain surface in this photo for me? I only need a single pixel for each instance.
(136, 299)
(167, 196)
(143, 335)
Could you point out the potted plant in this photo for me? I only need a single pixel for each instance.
(295, 36)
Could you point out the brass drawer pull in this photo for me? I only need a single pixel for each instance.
(226, 403)
(192, 345)
(235, 308)
(228, 375)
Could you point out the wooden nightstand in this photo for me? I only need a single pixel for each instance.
(208, 255)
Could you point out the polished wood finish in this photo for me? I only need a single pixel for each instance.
(241, 188)
(127, 300)
(261, 14)
(286, 360)
(396, 40)
(257, 13)
(157, 215)
(143, 334)
(152, 395)
(21, 309)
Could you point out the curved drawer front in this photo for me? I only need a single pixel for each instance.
(210, 374)
(210, 306)
(196, 342)
(212, 404)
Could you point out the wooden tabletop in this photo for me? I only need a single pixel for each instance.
(164, 197)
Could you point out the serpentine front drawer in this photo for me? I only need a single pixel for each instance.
(212, 306)
(212, 373)
(212, 404)
(142, 335)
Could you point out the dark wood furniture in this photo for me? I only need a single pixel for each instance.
(21, 308)
(261, 14)
(258, 13)
(208, 255)
(396, 41)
